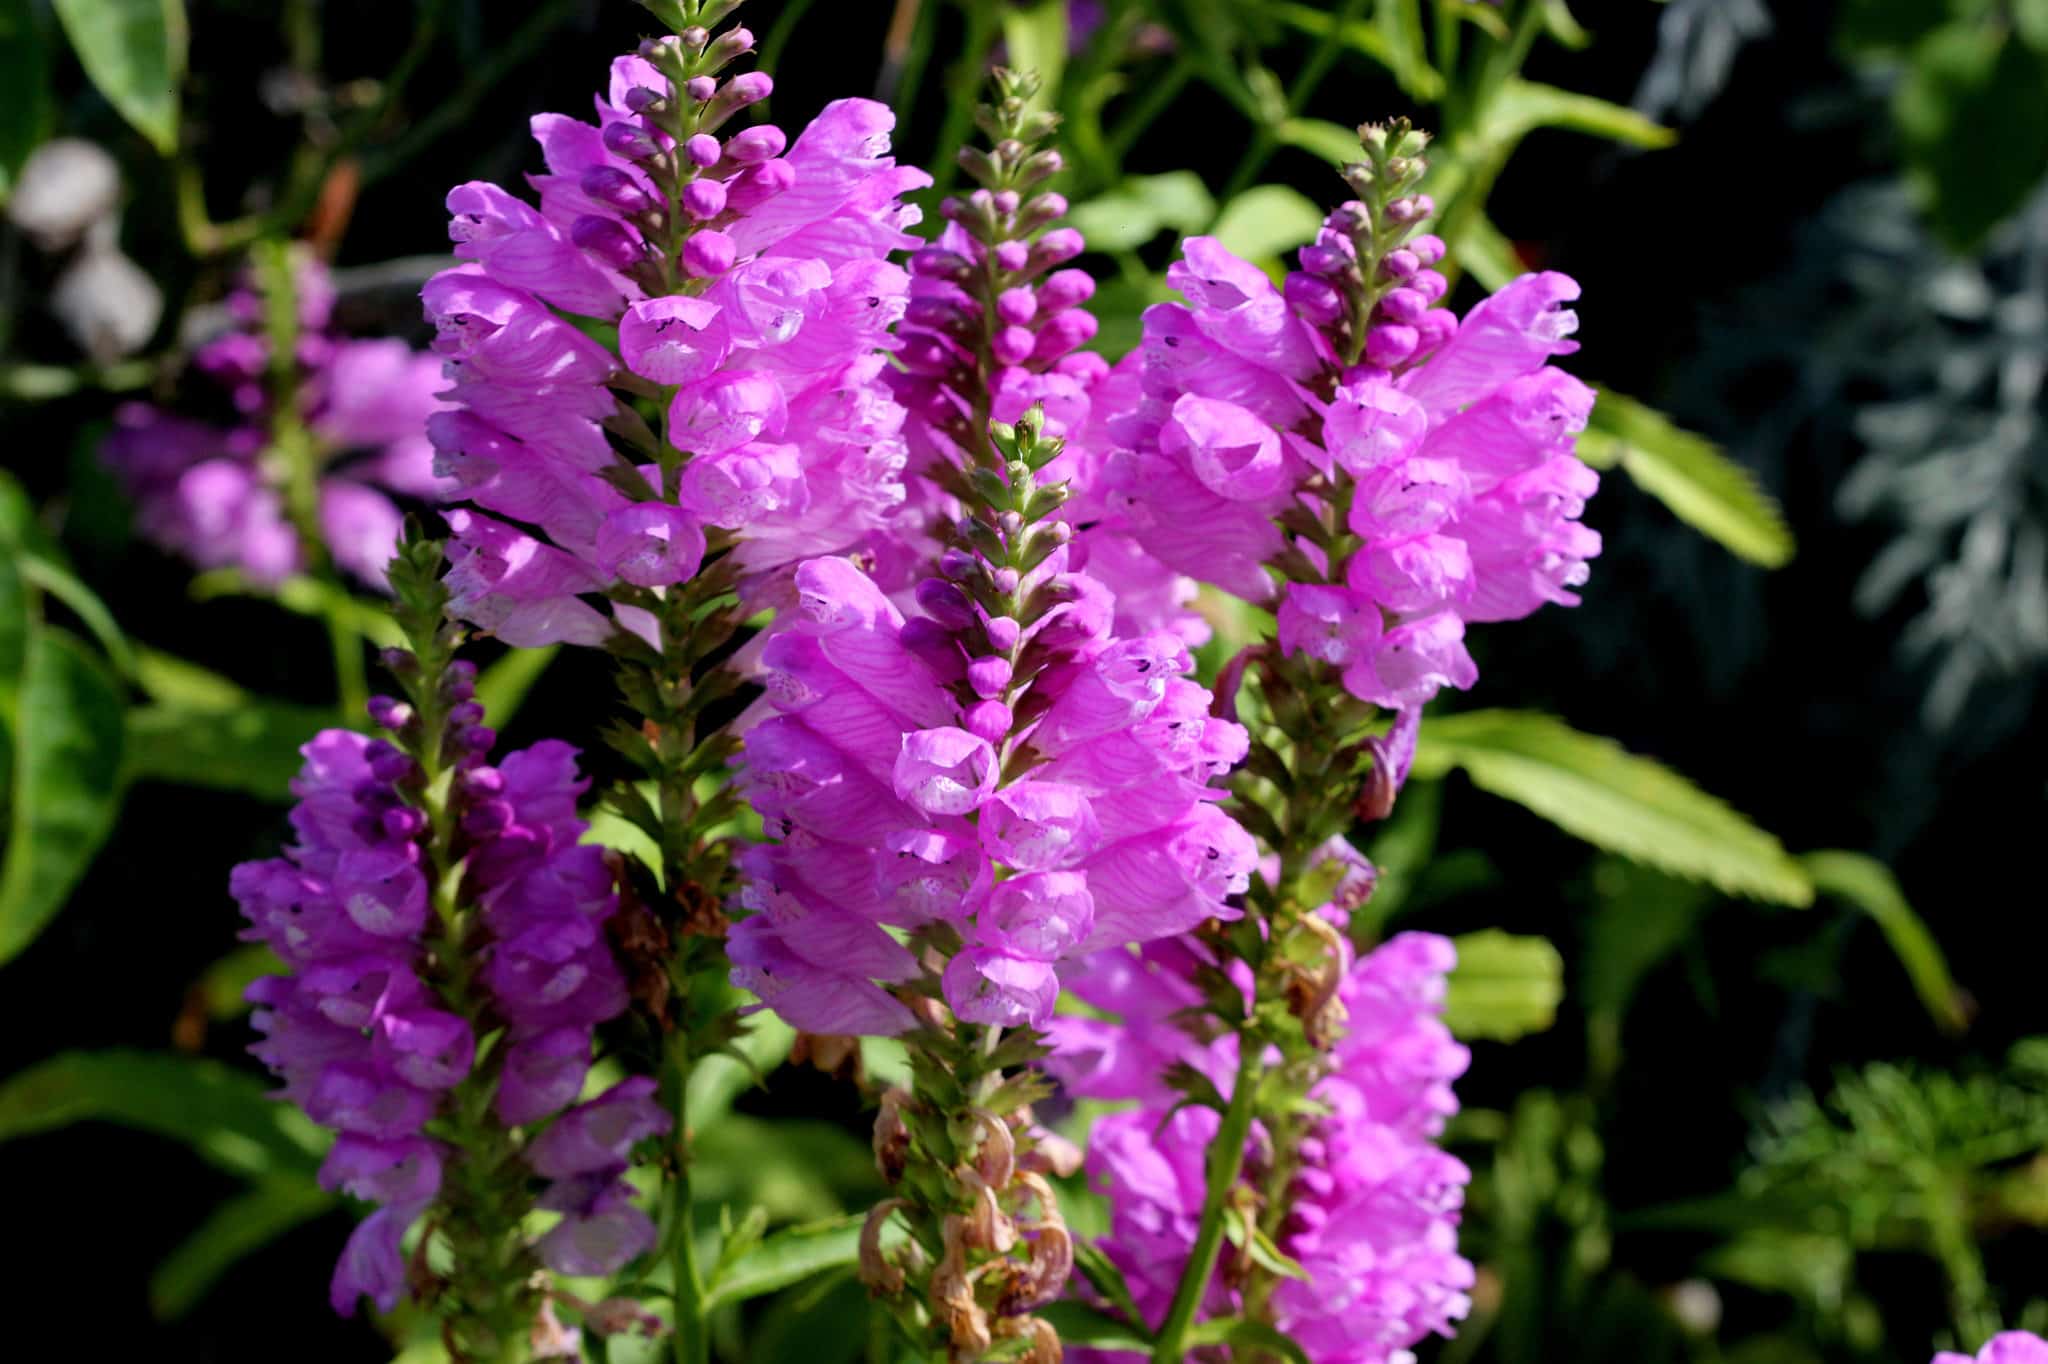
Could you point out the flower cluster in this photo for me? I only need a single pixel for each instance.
(1366, 1203)
(1041, 790)
(221, 487)
(2007, 1347)
(994, 327)
(752, 295)
(375, 1026)
(1403, 474)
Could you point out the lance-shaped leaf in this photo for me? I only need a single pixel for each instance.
(1267, 220)
(133, 51)
(790, 1256)
(1141, 207)
(1522, 106)
(1505, 986)
(1870, 886)
(221, 1113)
(1079, 1324)
(253, 748)
(1036, 35)
(1597, 790)
(1255, 1336)
(1687, 473)
(66, 784)
(236, 1229)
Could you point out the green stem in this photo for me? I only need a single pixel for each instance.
(1225, 1166)
(692, 1335)
(1264, 143)
(984, 26)
(351, 677)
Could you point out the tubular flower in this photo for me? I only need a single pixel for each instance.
(1402, 474)
(218, 487)
(1368, 1206)
(374, 1026)
(2007, 1347)
(744, 401)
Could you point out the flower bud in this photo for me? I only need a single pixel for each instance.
(1400, 264)
(631, 141)
(703, 149)
(1064, 289)
(708, 254)
(1428, 248)
(614, 187)
(1006, 201)
(700, 88)
(1057, 247)
(1006, 579)
(1012, 345)
(703, 199)
(1316, 300)
(695, 37)
(1389, 344)
(933, 262)
(1065, 332)
(1430, 284)
(945, 603)
(759, 183)
(755, 144)
(643, 100)
(988, 676)
(1012, 256)
(606, 240)
(989, 720)
(1402, 305)
(1003, 633)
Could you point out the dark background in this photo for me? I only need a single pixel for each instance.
(1767, 689)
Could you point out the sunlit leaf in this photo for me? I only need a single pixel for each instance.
(224, 1115)
(1333, 142)
(1358, 34)
(1595, 789)
(1266, 220)
(133, 51)
(253, 748)
(1521, 107)
(1140, 207)
(1505, 986)
(65, 785)
(1870, 886)
(786, 1257)
(1036, 35)
(1688, 474)
(236, 1229)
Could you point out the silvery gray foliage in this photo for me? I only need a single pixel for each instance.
(1697, 43)
(1957, 454)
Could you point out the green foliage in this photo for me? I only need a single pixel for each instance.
(786, 1257)
(1870, 886)
(252, 748)
(134, 52)
(66, 782)
(1969, 119)
(1254, 1336)
(1267, 220)
(1703, 487)
(1593, 788)
(25, 76)
(1506, 986)
(1520, 107)
(238, 1228)
(1141, 207)
(223, 1115)
(502, 687)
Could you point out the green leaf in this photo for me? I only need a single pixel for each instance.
(221, 1113)
(222, 984)
(25, 76)
(1870, 886)
(66, 785)
(1558, 21)
(1333, 142)
(1358, 34)
(1486, 254)
(797, 1169)
(1595, 789)
(1522, 106)
(1253, 1335)
(504, 685)
(1643, 917)
(1140, 207)
(1036, 35)
(1400, 26)
(52, 577)
(1505, 986)
(235, 1230)
(134, 52)
(1104, 1277)
(181, 682)
(1688, 474)
(1266, 220)
(1079, 1324)
(1970, 121)
(253, 749)
(786, 1257)
(715, 1081)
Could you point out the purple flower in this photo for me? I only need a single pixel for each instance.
(2007, 1347)
(1450, 443)
(782, 437)
(211, 494)
(363, 1030)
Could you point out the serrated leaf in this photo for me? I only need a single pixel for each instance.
(253, 749)
(1521, 107)
(1253, 1335)
(223, 1115)
(65, 786)
(1266, 220)
(133, 51)
(786, 1257)
(1688, 474)
(1080, 1324)
(504, 685)
(1870, 886)
(25, 75)
(1140, 207)
(1505, 986)
(1596, 790)
(235, 1230)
